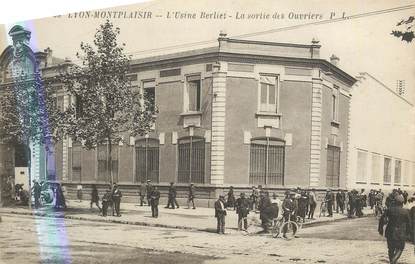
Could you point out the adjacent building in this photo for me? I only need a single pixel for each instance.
(381, 149)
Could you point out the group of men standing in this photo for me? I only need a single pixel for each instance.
(296, 203)
(152, 194)
(112, 197)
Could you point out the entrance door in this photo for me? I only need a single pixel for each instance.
(333, 166)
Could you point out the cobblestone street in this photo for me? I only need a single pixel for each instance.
(25, 239)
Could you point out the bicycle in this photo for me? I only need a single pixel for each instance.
(323, 208)
(291, 227)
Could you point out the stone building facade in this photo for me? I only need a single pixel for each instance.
(239, 114)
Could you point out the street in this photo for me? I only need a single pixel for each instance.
(25, 239)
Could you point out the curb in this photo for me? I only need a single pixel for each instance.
(104, 220)
(140, 223)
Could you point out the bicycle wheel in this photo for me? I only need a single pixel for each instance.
(289, 229)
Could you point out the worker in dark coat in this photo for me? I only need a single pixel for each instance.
(398, 225)
(264, 207)
(142, 190)
(329, 202)
(340, 197)
(302, 205)
(116, 199)
(37, 189)
(242, 209)
(172, 197)
(149, 190)
(191, 196)
(220, 214)
(230, 203)
(154, 202)
(94, 197)
(106, 200)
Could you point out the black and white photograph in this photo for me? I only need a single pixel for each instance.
(209, 132)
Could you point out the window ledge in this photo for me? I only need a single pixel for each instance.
(269, 114)
(191, 113)
(335, 123)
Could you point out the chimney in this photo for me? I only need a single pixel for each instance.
(334, 60)
(315, 48)
(222, 38)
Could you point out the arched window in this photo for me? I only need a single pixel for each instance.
(147, 160)
(76, 161)
(267, 161)
(191, 160)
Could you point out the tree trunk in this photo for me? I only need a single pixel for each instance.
(109, 160)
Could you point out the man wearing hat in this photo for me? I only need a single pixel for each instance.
(37, 189)
(398, 221)
(142, 192)
(288, 208)
(191, 196)
(149, 190)
(242, 209)
(329, 202)
(220, 214)
(172, 197)
(116, 198)
(154, 201)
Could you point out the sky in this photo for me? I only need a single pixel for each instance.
(363, 44)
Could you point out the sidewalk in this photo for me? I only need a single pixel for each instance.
(200, 219)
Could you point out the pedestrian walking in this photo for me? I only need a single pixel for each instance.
(154, 201)
(242, 210)
(106, 200)
(398, 225)
(142, 190)
(149, 190)
(116, 199)
(313, 203)
(94, 197)
(172, 197)
(37, 190)
(60, 202)
(220, 214)
(191, 196)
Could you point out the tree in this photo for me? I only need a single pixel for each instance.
(104, 109)
(405, 31)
